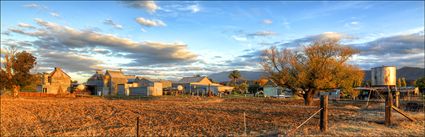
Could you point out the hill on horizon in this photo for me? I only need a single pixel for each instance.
(410, 73)
(246, 75)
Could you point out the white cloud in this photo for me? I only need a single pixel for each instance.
(150, 6)
(267, 21)
(42, 8)
(150, 23)
(54, 14)
(112, 23)
(332, 36)
(264, 33)
(194, 8)
(352, 25)
(24, 25)
(36, 6)
(52, 36)
(238, 38)
(286, 24)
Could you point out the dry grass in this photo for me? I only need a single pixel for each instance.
(188, 116)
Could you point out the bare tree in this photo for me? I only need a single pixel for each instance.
(320, 66)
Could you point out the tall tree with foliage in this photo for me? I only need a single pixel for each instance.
(243, 88)
(320, 66)
(15, 71)
(399, 82)
(234, 76)
(403, 82)
(420, 83)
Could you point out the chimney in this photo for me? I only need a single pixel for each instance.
(45, 78)
(99, 71)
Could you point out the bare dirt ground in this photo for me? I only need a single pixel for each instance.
(191, 116)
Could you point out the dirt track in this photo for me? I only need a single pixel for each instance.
(186, 116)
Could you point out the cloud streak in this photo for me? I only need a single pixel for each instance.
(267, 21)
(262, 34)
(42, 8)
(112, 23)
(149, 6)
(52, 36)
(150, 23)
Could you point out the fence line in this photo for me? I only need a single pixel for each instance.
(293, 130)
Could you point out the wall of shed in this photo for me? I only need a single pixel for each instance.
(271, 91)
(56, 83)
(139, 91)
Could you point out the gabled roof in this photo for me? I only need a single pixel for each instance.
(148, 79)
(191, 79)
(96, 76)
(58, 70)
(130, 76)
(115, 74)
(270, 83)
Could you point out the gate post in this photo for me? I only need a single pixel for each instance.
(137, 127)
(324, 113)
(388, 107)
(397, 97)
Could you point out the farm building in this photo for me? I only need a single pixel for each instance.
(271, 89)
(200, 85)
(96, 83)
(146, 87)
(56, 82)
(115, 80)
(380, 92)
(116, 83)
(107, 84)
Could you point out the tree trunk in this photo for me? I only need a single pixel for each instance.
(15, 90)
(308, 97)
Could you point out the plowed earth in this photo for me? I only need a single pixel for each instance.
(191, 116)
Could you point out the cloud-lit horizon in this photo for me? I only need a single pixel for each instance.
(170, 40)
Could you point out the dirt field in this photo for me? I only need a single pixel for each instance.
(190, 116)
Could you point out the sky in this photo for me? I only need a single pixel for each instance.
(170, 39)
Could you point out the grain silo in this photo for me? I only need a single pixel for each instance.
(384, 76)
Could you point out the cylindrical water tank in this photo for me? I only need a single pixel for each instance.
(384, 76)
(179, 87)
(81, 87)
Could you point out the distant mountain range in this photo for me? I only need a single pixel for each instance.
(410, 73)
(246, 75)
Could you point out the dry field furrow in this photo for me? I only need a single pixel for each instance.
(186, 116)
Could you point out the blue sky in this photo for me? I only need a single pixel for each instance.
(166, 39)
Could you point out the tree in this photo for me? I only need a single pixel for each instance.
(399, 82)
(234, 76)
(253, 88)
(15, 71)
(35, 81)
(403, 82)
(321, 65)
(412, 83)
(262, 81)
(243, 87)
(420, 83)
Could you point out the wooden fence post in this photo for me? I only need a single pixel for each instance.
(397, 97)
(244, 123)
(324, 113)
(137, 128)
(388, 104)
